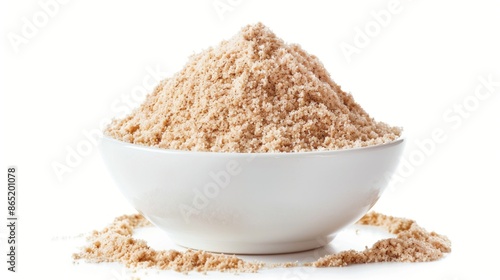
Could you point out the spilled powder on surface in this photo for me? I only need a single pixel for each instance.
(116, 244)
(411, 244)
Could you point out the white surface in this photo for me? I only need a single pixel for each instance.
(84, 64)
(251, 203)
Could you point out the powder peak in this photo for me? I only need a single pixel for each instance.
(260, 36)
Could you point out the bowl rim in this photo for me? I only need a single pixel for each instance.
(394, 142)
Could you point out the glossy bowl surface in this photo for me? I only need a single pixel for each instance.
(242, 203)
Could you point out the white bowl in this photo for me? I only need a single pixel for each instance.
(246, 203)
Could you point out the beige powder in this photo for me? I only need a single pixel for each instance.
(412, 244)
(252, 93)
(116, 244)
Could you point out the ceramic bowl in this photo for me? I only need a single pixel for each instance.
(245, 203)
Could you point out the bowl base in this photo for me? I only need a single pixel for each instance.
(252, 248)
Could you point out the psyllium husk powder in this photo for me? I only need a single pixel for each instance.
(252, 93)
(116, 243)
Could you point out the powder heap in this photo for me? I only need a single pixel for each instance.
(116, 244)
(412, 244)
(252, 93)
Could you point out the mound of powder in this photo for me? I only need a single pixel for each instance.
(252, 93)
(116, 244)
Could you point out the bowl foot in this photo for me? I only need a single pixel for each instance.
(252, 248)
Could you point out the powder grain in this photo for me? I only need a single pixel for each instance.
(116, 244)
(252, 93)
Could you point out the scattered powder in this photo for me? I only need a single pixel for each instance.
(412, 244)
(116, 244)
(252, 93)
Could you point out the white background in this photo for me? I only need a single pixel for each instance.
(80, 66)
